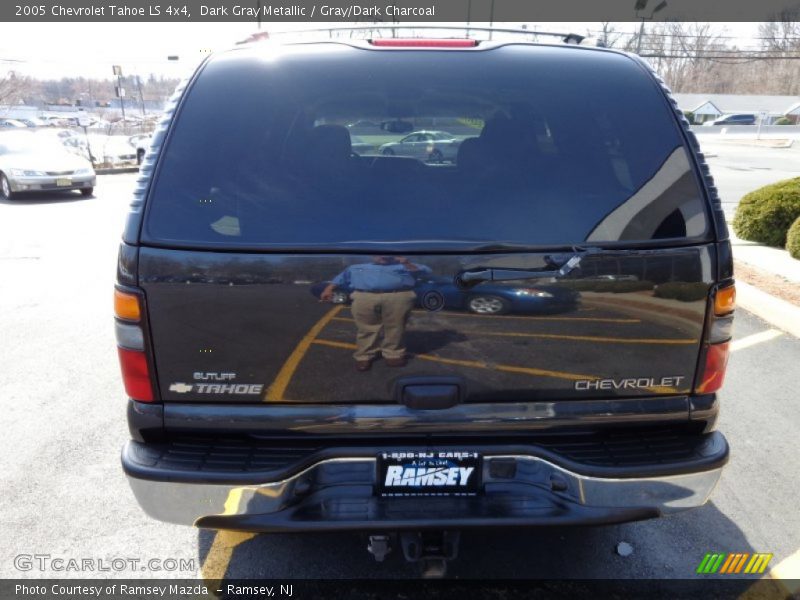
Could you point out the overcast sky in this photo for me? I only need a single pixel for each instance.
(51, 50)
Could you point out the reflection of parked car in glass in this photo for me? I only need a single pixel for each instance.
(11, 123)
(361, 147)
(433, 146)
(108, 150)
(365, 127)
(488, 299)
(32, 122)
(737, 119)
(31, 162)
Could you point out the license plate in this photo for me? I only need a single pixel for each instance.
(429, 473)
(63, 182)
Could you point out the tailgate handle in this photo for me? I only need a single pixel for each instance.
(433, 393)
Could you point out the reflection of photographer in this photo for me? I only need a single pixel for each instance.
(383, 296)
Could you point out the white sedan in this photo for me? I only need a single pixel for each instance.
(430, 146)
(30, 162)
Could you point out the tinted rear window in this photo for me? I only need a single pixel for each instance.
(335, 146)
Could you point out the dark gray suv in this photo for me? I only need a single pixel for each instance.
(296, 320)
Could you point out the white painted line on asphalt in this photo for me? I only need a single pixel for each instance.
(756, 338)
(778, 313)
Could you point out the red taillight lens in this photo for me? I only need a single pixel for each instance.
(135, 374)
(423, 43)
(714, 369)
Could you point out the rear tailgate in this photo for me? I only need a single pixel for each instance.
(251, 328)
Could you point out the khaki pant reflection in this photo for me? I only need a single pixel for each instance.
(387, 312)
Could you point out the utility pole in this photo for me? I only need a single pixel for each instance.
(120, 90)
(640, 6)
(639, 39)
(141, 95)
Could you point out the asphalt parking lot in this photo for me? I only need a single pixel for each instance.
(64, 424)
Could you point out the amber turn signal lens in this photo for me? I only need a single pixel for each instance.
(725, 300)
(126, 306)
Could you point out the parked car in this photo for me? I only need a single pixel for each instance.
(113, 151)
(362, 147)
(488, 299)
(365, 127)
(12, 123)
(32, 122)
(736, 119)
(31, 162)
(432, 146)
(248, 405)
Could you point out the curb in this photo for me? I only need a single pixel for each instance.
(116, 170)
(775, 311)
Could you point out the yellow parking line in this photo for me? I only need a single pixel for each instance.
(475, 364)
(281, 382)
(580, 338)
(591, 338)
(219, 555)
(504, 317)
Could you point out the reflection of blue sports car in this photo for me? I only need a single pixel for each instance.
(486, 299)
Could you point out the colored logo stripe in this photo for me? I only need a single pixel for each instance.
(714, 562)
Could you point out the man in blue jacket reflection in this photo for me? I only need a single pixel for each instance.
(383, 296)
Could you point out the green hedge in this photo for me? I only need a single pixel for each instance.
(783, 121)
(683, 291)
(766, 214)
(793, 239)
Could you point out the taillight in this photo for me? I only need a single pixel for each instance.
(423, 43)
(725, 300)
(714, 368)
(131, 346)
(135, 375)
(720, 330)
(126, 306)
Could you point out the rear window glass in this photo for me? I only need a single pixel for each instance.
(345, 147)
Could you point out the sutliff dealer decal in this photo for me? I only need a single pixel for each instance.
(216, 383)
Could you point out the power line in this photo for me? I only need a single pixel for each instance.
(742, 58)
(697, 35)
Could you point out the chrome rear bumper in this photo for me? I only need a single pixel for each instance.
(338, 493)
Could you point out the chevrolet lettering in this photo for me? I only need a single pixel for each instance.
(640, 382)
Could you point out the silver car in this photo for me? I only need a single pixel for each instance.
(430, 146)
(30, 162)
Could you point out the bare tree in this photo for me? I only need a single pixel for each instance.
(780, 36)
(609, 36)
(13, 87)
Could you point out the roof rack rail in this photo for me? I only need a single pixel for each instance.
(567, 38)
